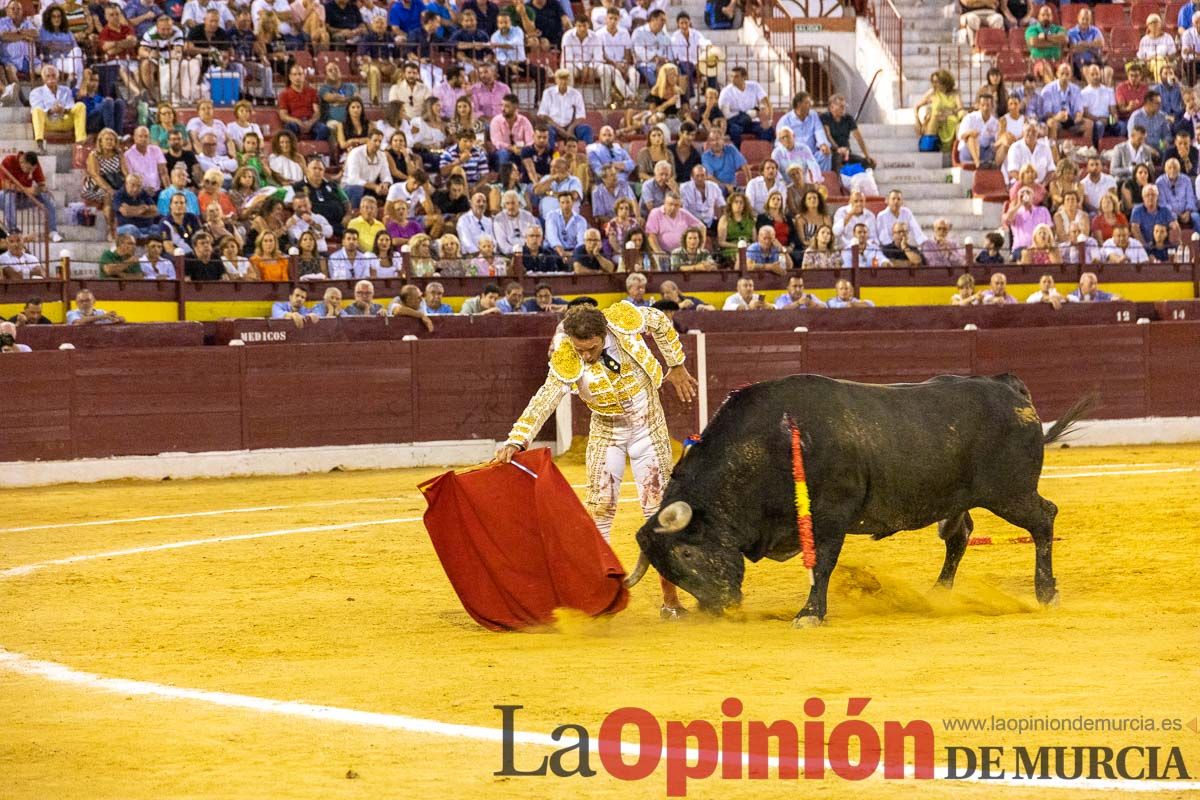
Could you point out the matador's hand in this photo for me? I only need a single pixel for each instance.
(685, 385)
(505, 453)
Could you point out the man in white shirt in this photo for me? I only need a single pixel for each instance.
(86, 312)
(474, 224)
(702, 197)
(350, 263)
(510, 224)
(1096, 183)
(580, 51)
(847, 217)
(744, 103)
(744, 299)
(1047, 293)
(366, 171)
(154, 265)
(17, 264)
(896, 212)
(977, 135)
(54, 108)
(562, 109)
(305, 219)
(208, 158)
(1123, 248)
(651, 46)
(618, 76)
(760, 187)
(1099, 102)
(688, 46)
(1031, 149)
(869, 254)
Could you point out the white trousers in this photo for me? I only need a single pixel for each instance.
(624, 80)
(640, 439)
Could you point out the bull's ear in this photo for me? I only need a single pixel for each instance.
(674, 517)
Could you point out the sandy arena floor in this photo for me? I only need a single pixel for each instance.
(339, 601)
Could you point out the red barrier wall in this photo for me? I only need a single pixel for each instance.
(145, 401)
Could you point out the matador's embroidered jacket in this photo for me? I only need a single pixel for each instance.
(608, 393)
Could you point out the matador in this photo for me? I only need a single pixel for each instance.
(605, 359)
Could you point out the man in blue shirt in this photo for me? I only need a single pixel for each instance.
(1064, 106)
(1089, 291)
(1087, 42)
(1171, 92)
(1148, 214)
(433, 303)
(511, 302)
(1176, 193)
(809, 130)
(293, 308)
(1150, 117)
(406, 15)
(1185, 16)
(723, 160)
(605, 150)
(565, 228)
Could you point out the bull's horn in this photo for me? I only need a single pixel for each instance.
(639, 570)
(674, 517)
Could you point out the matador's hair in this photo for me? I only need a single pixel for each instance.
(585, 322)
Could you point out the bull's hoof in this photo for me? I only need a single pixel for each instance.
(668, 613)
(807, 621)
(1053, 601)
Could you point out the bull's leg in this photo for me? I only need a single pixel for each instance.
(1036, 514)
(955, 532)
(828, 546)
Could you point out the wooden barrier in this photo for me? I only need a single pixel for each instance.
(110, 337)
(146, 401)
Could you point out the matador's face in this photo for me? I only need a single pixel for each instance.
(588, 349)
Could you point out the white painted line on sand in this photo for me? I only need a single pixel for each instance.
(1058, 476)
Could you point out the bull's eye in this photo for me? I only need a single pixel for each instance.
(686, 554)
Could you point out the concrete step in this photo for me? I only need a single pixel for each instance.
(908, 160)
(910, 177)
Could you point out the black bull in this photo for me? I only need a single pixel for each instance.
(879, 459)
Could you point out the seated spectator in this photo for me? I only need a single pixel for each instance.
(300, 108)
(514, 296)
(838, 127)
(1046, 293)
(965, 293)
(608, 192)
(202, 265)
(1131, 189)
(564, 228)
(991, 254)
(588, 258)
(293, 308)
(269, 259)
(635, 291)
(103, 112)
(367, 224)
(1071, 215)
(745, 298)
(941, 250)
(1095, 184)
(509, 225)
(208, 158)
(684, 155)
(1046, 38)
(745, 104)
(1157, 47)
(846, 218)
(810, 212)
(181, 227)
(1131, 92)
(1011, 127)
(58, 45)
(1030, 150)
(18, 264)
(808, 128)
(1170, 94)
(1123, 248)
(484, 302)
(1149, 214)
(1155, 123)
(1177, 193)
(768, 253)
(1185, 153)
(823, 251)
(775, 215)
(18, 54)
(331, 304)
(1099, 106)
(655, 191)
(795, 296)
(432, 302)
(364, 304)
(475, 224)
(736, 225)
(1022, 218)
(722, 160)
(561, 109)
(606, 151)
(1161, 250)
(1042, 248)
(237, 266)
(895, 211)
(1027, 179)
(24, 186)
(901, 251)
(544, 301)
(691, 255)
(656, 150)
(54, 109)
(844, 297)
(761, 187)
(8, 340)
(155, 266)
(511, 132)
(178, 185)
(350, 262)
(1089, 291)
(665, 226)
(702, 198)
(135, 210)
(997, 292)
(536, 256)
(146, 161)
(558, 182)
(366, 171)
(176, 158)
(1062, 96)
(1108, 217)
(327, 197)
(450, 261)
(1086, 43)
(978, 134)
(86, 312)
(944, 110)
(30, 314)
(866, 251)
(976, 14)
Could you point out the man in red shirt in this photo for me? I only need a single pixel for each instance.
(300, 109)
(119, 44)
(24, 184)
(1131, 93)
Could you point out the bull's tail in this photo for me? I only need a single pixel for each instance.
(1066, 423)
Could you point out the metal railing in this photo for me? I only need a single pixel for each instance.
(889, 27)
(968, 68)
(811, 66)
